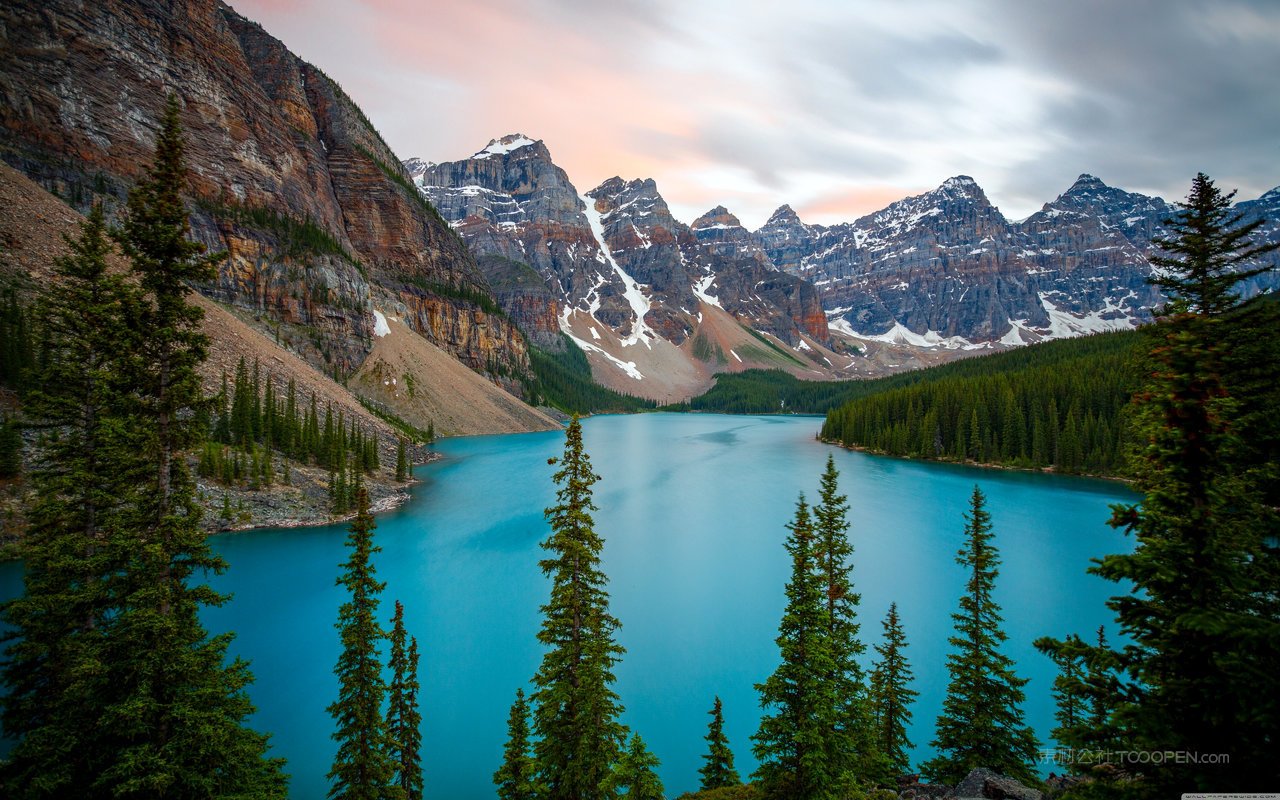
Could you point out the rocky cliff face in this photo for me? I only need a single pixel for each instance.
(615, 253)
(318, 219)
(947, 269)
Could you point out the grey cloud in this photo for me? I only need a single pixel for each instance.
(1160, 93)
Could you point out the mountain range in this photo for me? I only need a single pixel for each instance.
(944, 270)
(327, 232)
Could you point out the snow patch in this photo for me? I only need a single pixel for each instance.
(1065, 325)
(380, 327)
(700, 290)
(640, 332)
(628, 367)
(499, 147)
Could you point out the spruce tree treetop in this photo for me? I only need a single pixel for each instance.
(576, 709)
(516, 779)
(981, 724)
(362, 767)
(1208, 252)
(800, 703)
(717, 771)
(892, 695)
(633, 777)
(403, 718)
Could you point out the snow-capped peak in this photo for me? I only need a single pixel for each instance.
(508, 143)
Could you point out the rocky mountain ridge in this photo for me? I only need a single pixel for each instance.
(632, 284)
(320, 223)
(947, 269)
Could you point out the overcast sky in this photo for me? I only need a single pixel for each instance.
(837, 108)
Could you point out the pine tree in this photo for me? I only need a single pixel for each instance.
(178, 711)
(981, 724)
(852, 748)
(892, 695)
(1204, 618)
(800, 712)
(718, 770)
(402, 461)
(84, 480)
(363, 768)
(516, 779)
(1067, 693)
(576, 711)
(633, 777)
(403, 719)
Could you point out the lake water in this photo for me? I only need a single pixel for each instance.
(692, 511)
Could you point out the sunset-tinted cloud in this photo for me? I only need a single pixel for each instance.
(834, 107)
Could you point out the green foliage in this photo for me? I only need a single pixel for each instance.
(717, 772)
(743, 791)
(1055, 404)
(981, 723)
(633, 777)
(892, 696)
(769, 391)
(563, 380)
(404, 721)
(1203, 618)
(296, 238)
(467, 294)
(134, 698)
(575, 719)
(363, 767)
(402, 461)
(800, 706)
(83, 479)
(17, 350)
(516, 779)
(852, 751)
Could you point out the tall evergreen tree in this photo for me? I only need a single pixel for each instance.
(363, 768)
(402, 461)
(633, 777)
(576, 710)
(1204, 619)
(403, 718)
(981, 723)
(175, 710)
(852, 747)
(516, 779)
(800, 710)
(717, 771)
(84, 478)
(892, 695)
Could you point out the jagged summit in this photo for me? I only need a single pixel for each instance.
(506, 144)
(718, 218)
(784, 214)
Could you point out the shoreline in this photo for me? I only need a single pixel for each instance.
(1127, 482)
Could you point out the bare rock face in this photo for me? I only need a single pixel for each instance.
(721, 234)
(287, 175)
(948, 267)
(615, 252)
(984, 783)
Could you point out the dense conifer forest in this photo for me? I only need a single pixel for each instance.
(1058, 404)
(563, 380)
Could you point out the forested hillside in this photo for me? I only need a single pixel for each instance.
(1057, 404)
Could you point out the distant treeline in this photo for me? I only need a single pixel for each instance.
(1055, 404)
(563, 380)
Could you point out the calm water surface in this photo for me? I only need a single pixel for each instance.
(692, 510)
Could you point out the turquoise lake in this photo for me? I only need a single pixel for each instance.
(692, 509)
